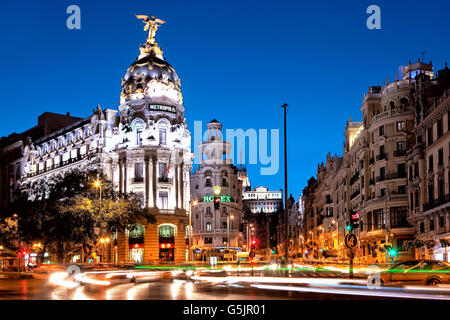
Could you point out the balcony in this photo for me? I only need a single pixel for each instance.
(381, 178)
(399, 153)
(371, 161)
(354, 178)
(397, 175)
(381, 156)
(436, 202)
(355, 194)
(164, 180)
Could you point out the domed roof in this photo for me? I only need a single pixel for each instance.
(151, 67)
(151, 77)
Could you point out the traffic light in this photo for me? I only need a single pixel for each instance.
(216, 203)
(354, 221)
(253, 245)
(392, 252)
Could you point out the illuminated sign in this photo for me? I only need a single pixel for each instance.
(158, 107)
(223, 198)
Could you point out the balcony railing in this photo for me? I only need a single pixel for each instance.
(381, 178)
(396, 175)
(399, 153)
(436, 202)
(354, 178)
(354, 194)
(164, 180)
(381, 156)
(138, 179)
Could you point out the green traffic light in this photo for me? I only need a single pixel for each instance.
(349, 227)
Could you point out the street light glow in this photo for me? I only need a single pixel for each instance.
(217, 190)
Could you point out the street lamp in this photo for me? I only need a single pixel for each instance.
(217, 190)
(191, 203)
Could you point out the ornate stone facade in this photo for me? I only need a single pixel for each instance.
(144, 147)
(216, 230)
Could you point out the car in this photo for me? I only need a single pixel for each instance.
(414, 272)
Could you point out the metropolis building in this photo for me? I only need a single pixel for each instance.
(142, 147)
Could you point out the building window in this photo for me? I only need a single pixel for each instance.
(381, 131)
(224, 240)
(430, 163)
(208, 183)
(431, 224)
(401, 189)
(208, 240)
(422, 227)
(383, 192)
(138, 172)
(441, 157)
(162, 137)
(440, 131)
(224, 225)
(430, 135)
(138, 137)
(208, 226)
(441, 222)
(163, 172)
(163, 199)
(400, 126)
(166, 231)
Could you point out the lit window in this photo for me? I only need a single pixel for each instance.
(162, 136)
(138, 137)
(163, 199)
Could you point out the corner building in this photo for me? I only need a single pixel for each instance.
(216, 232)
(143, 147)
(393, 173)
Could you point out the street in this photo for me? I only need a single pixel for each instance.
(207, 285)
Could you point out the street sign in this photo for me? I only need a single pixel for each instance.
(351, 240)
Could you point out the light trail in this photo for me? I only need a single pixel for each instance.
(383, 294)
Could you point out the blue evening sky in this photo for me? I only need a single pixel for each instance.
(239, 61)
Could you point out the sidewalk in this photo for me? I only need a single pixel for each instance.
(15, 275)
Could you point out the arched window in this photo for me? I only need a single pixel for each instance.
(392, 104)
(224, 182)
(208, 183)
(208, 226)
(224, 225)
(208, 173)
(136, 231)
(166, 231)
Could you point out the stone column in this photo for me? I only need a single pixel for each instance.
(125, 176)
(147, 182)
(180, 185)
(176, 187)
(423, 182)
(120, 176)
(154, 161)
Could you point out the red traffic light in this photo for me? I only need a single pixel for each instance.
(253, 242)
(216, 200)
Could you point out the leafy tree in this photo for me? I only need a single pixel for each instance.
(67, 215)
